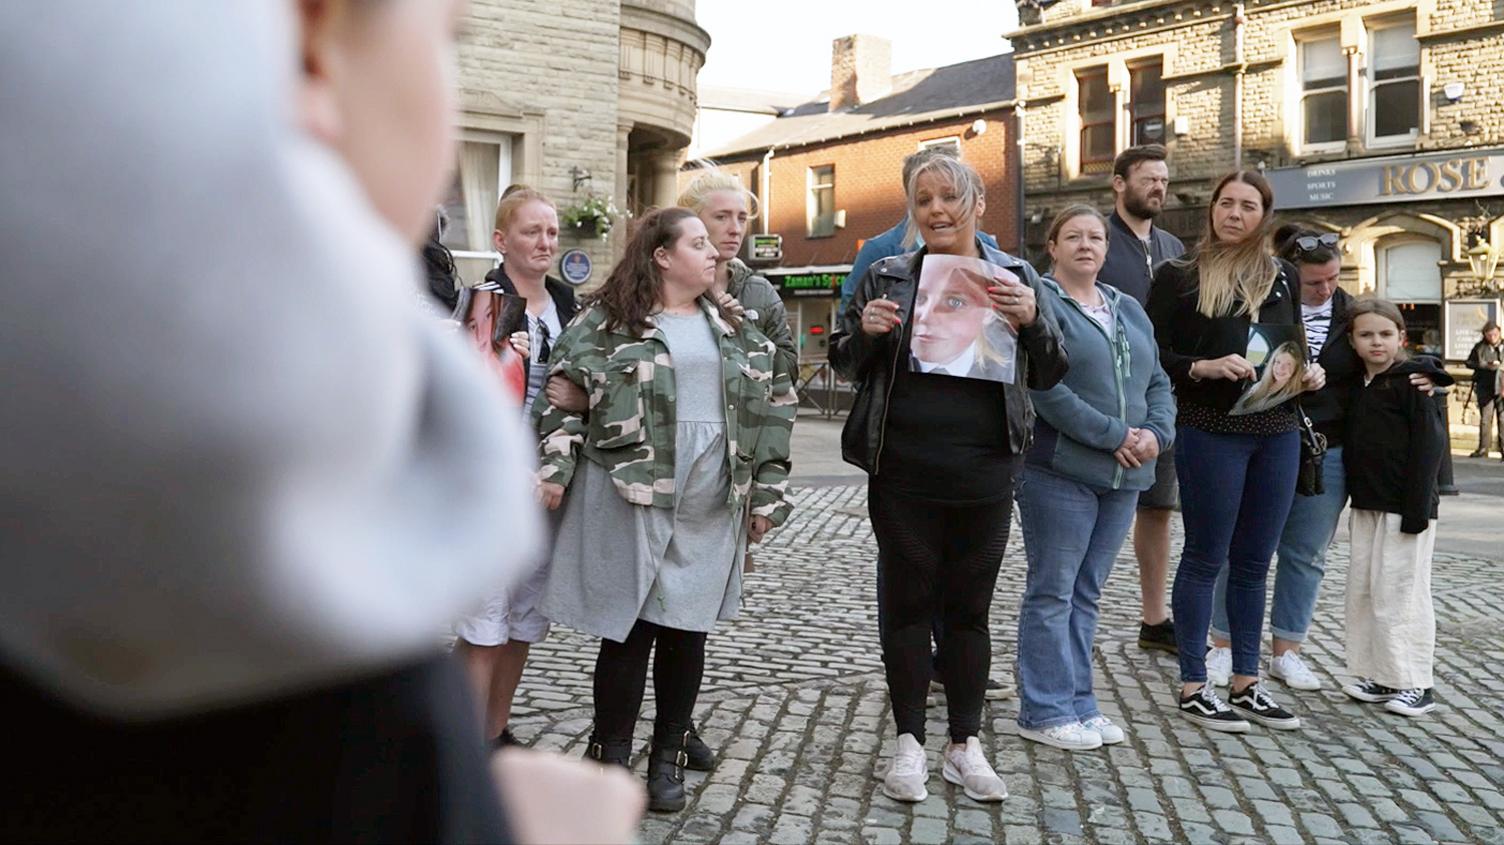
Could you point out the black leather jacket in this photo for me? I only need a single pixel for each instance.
(870, 362)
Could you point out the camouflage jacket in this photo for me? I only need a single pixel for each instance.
(765, 309)
(630, 427)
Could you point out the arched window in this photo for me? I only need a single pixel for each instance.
(1410, 276)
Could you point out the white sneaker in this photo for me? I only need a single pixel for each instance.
(1101, 725)
(1291, 669)
(907, 772)
(967, 767)
(1071, 737)
(1219, 666)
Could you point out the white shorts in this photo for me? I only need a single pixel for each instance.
(511, 616)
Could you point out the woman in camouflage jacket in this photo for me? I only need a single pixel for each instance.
(685, 449)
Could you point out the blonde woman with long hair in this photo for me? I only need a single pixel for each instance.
(1237, 472)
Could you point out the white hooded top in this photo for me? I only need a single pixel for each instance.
(235, 460)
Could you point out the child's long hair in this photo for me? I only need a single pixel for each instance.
(1235, 274)
(1382, 308)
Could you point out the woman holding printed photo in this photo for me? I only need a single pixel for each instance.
(1237, 471)
(942, 451)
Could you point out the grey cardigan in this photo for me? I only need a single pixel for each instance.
(1115, 382)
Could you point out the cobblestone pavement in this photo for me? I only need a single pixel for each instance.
(795, 703)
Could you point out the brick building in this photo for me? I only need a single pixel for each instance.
(587, 97)
(1381, 121)
(826, 172)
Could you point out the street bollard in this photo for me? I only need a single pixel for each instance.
(1446, 485)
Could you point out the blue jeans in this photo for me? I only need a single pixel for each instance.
(1072, 534)
(1235, 492)
(1300, 562)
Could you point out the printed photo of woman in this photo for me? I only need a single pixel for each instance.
(1280, 378)
(957, 332)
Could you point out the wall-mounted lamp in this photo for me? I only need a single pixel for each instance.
(979, 127)
(580, 175)
(1453, 91)
(1484, 260)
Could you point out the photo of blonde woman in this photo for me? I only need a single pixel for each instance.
(1280, 377)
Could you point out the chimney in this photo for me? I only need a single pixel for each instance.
(861, 70)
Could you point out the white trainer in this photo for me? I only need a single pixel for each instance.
(907, 772)
(1071, 737)
(1219, 667)
(966, 766)
(1101, 725)
(1291, 669)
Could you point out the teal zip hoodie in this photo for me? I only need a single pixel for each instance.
(1115, 383)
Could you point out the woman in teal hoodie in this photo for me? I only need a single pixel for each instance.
(1096, 438)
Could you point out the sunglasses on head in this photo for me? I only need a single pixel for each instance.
(1309, 243)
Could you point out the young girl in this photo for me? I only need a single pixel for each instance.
(1394, 447)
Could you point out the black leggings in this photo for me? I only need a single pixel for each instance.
(621, 675)
(943, 558)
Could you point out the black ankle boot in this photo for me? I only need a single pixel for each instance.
(666, 762)
(609, 751)
(700, 757)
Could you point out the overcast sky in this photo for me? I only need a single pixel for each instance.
(784, 45)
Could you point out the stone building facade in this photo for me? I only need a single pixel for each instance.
(1381, 121)
(590, 97)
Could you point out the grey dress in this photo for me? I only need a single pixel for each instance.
(615, 562)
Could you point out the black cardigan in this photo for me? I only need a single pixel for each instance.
(1186, 336)
(1395, 441)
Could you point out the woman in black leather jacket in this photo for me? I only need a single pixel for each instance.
(942, 452)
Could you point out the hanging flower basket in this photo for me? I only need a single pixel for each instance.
(592, 217)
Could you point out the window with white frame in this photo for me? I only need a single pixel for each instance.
(952, 141)
(1394, 86)
(484, 171)
(1323, 91)
(1097, 113)
(820, 208)
(1146, 102)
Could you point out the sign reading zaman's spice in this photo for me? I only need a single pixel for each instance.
(1456, 174)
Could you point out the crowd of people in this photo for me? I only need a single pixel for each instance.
(316, 508)
(663, 422)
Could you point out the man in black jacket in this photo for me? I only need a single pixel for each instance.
(1135, 246)
(1484, 360)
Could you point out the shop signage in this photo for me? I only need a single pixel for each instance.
(1464, 324)
(575, 267)
(767, 247)
(809, 281)
(1450, 175)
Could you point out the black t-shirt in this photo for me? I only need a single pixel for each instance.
(946, 438)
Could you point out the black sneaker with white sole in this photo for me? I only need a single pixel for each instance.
(1207, 710)
(1256, 704)
(1370, 691)
(1411, 702)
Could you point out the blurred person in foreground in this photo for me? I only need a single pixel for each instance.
(234, 526)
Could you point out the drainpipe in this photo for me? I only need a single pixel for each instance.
(767, 186)
(1022, 221)
(1238, 20)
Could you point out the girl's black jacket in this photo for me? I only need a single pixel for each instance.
(1394, 444)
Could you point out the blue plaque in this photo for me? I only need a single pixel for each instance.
(575, 267)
